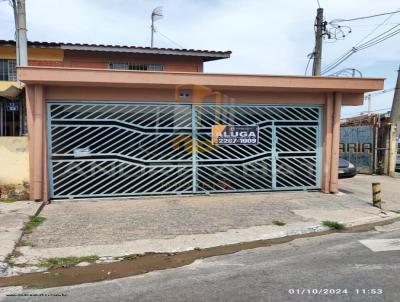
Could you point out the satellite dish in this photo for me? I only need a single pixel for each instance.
(157, 13)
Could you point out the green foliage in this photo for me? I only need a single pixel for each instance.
(33, 222)
(130, 257)
(8, 200)
(9, 258)
(333, 224)
(380, 169)
(53, 263)
(23, 243)
(278, 222)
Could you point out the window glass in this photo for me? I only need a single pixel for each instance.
(134, 66)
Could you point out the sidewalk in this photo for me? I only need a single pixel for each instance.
(113, 228)
(13, 216)
(361, 186)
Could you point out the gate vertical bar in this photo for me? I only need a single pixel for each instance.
(319, 149)
(1, 119)
(49, 153)
(194, 148)
(274, 156)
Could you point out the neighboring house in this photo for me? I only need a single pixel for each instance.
(74, 55)
(365, 142)
(13, 123)
(162, 126)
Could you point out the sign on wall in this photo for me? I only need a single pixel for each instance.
(12, 106)
(356, 146)
(234, 135)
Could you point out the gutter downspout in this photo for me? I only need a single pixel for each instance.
(334, 183)
(327, 142)
(38, 120)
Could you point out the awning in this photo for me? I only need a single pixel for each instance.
(9, 90)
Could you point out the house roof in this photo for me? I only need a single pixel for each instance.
(206, 55)
(122, 78)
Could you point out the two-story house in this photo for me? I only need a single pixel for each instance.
(73, 55)
(106, 121)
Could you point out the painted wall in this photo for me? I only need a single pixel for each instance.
(37, 96)
(100, 60)
(14, 160)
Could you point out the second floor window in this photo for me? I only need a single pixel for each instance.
(134, 66)
(8, 70)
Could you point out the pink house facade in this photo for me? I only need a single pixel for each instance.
(101, 133)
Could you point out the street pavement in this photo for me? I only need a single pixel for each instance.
(336, 267)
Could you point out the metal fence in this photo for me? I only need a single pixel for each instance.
(356, 146)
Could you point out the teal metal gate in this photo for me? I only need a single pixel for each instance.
(108, 149)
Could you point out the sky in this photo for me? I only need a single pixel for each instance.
(265, 36)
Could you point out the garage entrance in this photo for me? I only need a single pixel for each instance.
(122, 149)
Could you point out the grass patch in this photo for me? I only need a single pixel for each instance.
(7, 200)
(130, 257)
(23, 243)
(333, 224)
(53, 263)
(9, 258)
(278, 222)
(33, 222)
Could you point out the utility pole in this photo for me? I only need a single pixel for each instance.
(21, 44)
(369, 104)
(21, 33)
(152, 31)
(14, 6)
(395, 127)
(319, 32)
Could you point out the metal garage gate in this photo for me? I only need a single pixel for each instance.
(110, 149)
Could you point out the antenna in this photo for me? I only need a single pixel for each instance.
(157, 14)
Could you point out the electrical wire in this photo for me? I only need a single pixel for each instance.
(366, 17)
(358, 46)
(375, 29)
(354, 114)
(371, 42)
(380, 92)
(308, 64)
(367, 25)
(169, 39)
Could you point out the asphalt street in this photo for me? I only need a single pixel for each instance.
(335, 267)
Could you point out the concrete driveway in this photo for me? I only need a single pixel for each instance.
(361, 186)
(117, 227)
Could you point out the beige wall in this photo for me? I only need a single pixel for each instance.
(14, 159)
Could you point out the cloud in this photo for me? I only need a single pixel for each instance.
(266, 37)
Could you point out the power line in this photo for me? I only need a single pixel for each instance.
(354, 114)
(366, 17)
(371, 42)
(380, 92)
(367, 25)
(308, 64)
(169, 39)
(319, 5)
(375, 29)
(354, 49)
(358, 46)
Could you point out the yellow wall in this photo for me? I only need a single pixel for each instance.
(14, 161)
(48, 54)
